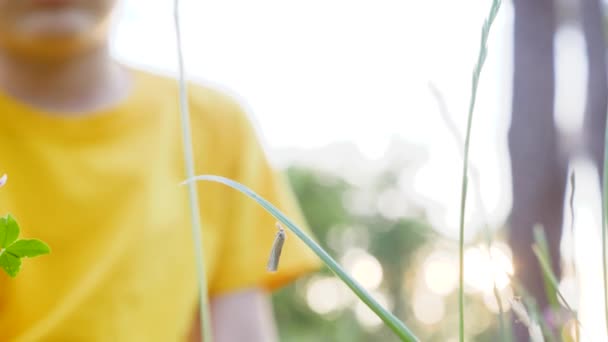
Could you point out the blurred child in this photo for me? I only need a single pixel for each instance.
(94, 157)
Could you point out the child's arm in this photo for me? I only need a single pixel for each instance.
(240, 316)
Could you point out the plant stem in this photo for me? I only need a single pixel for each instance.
(476, 73)
(474, 174)
(501, 313)
(205, 315)
(398, 327)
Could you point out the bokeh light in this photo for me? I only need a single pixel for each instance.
(428, 308)
(441, 273)
(483, 270)
(366, 317)
(327, 294)
(364, 267)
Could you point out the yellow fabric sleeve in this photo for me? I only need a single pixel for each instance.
(251, 230)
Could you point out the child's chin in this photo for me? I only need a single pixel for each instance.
(55, 25)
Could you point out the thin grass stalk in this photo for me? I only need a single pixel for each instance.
(549, 276)
(390, 320)
(475, 82)
(474, 174)
(501, 313)
(540, 239)
(195, 217)
(530, 303)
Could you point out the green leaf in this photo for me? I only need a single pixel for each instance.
(397, 326)
(549, 277)
(9, 231)
(28, 248)
(10, 263)
(542, 253)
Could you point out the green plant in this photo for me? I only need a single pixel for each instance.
(481, 57)
(541, 250)
(13, 249)
(398, 327)
(195, 216)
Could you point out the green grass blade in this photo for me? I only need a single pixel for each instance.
(549, 276)
(474, 175)
(389, 319)
(532, 308)
(501, 314)
(547, 267)
(481, 57)
(195, 217)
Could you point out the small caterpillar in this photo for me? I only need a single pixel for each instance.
(277, 247)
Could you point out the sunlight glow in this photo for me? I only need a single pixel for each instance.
(481, 272)
(441, 273)
(326, 294)
(428, 308)
(364, 267)
(505, 297)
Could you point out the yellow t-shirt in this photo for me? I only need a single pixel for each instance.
(102, 189)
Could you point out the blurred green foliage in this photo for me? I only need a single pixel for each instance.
(397, 244)
(393, 242)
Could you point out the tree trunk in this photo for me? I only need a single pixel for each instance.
(597, 84)
(538, 171)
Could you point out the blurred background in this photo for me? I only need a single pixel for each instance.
(358, 101)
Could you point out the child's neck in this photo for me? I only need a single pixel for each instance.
(83, 83)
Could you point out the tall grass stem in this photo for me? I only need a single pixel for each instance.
(195, 217)
(481, 57)
(474, 174)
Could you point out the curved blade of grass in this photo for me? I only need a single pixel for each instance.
(389, 319)
(541, 250)
(551, 280)
(481, 57)
(549, 276)
(547, 267)
(195, 217)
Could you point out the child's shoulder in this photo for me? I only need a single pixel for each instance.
(211, 103)
(217, 115)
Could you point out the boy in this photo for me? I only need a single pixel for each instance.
(94, 157)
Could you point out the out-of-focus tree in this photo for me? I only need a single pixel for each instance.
(538, 166)
(597, 84)
(538, 169)
(379, 219)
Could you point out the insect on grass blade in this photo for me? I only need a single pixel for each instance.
(277, 247)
